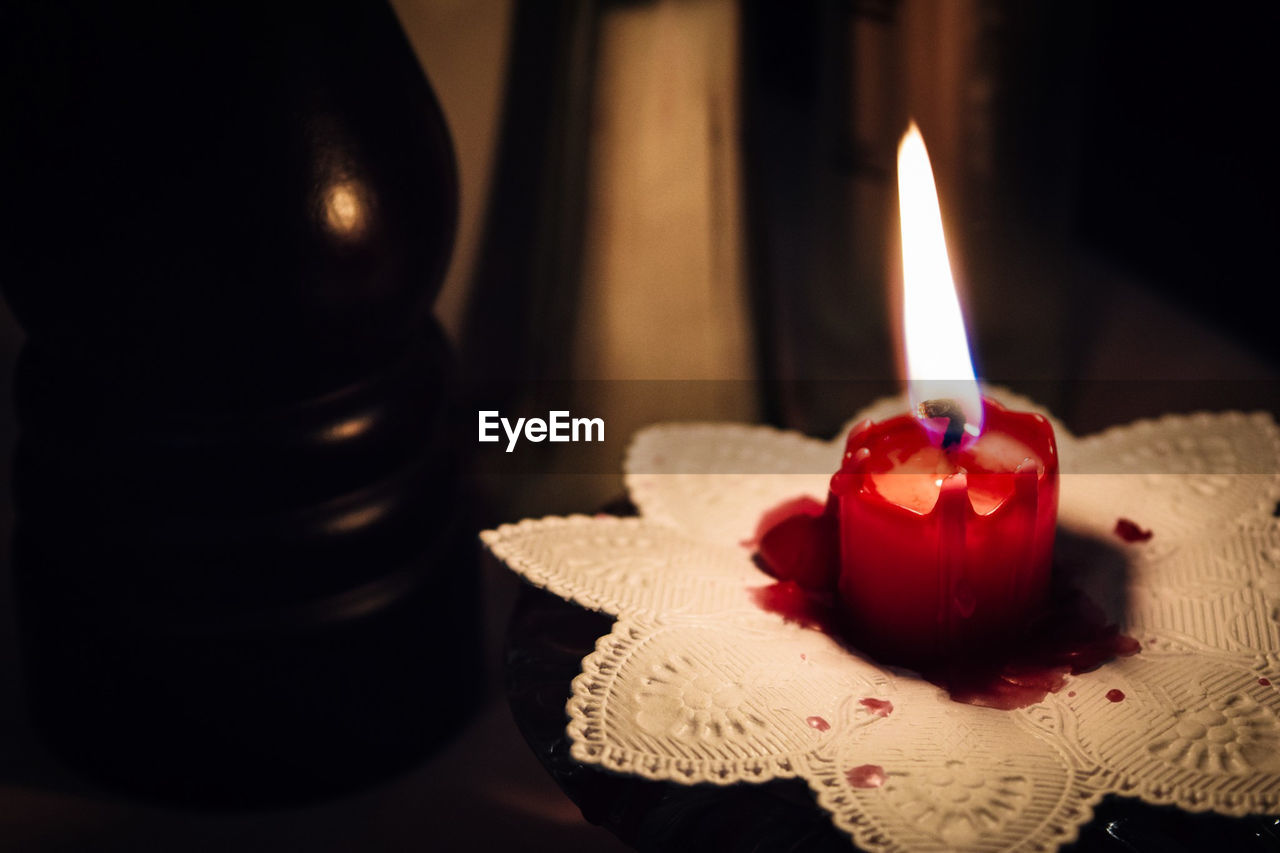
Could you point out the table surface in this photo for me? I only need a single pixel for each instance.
(483, 791)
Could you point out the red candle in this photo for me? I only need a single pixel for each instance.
(946, 515)
(944, 551)
(937, 536)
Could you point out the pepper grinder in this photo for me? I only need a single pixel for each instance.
(244, 570)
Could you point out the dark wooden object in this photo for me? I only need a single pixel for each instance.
(244, 566)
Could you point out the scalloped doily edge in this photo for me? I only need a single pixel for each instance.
(586, 725)
(495, 541)
(869, 837)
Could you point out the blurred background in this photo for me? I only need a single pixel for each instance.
(685, 209)
(704, 194)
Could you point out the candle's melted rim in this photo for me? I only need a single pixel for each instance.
(896, 462)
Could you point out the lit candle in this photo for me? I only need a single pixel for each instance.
(946, 515)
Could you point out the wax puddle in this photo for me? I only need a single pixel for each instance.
(795, 541)
(1115, 695)
(879, 707)
(865, 776)
(1071, 638)
(1265, 682)
(798, 605)
(1131, 532)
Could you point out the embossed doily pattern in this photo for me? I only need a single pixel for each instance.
(696, 684)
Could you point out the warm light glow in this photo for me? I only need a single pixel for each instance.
(350, 428)
(344, 209)
(938, 362)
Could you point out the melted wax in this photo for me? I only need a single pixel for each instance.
(796, 604)
(817, 723)
(796, 542)
(1072, 636)
(865, 776)
(1130, 532)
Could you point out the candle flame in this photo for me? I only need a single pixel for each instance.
(940, 373)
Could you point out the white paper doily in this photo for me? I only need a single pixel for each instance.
(695, 683)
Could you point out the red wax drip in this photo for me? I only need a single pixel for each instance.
(1115, 695)
(1265, 682)
(866, 776)
(1071, 694)
(879, 707)
(1130, 532)
(817, 723)
(1070, 637)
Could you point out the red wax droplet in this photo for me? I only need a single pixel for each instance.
(803, 656)
(1130, 532)
(1265, 682)
(817, 723)
(879, 707)
(1071, 694)
(1115, 695)
(866, 776)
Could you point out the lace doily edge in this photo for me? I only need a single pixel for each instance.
(1047, 838)
(1099, 441)
(586, 727)
(535, 573)
(1189, 800)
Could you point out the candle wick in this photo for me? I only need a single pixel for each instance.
(949, 409)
